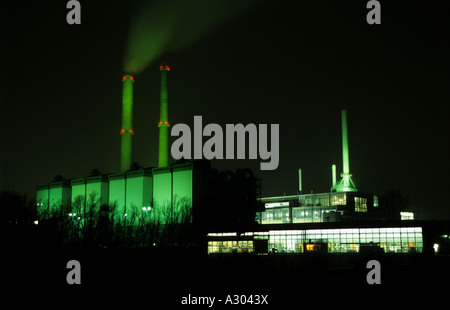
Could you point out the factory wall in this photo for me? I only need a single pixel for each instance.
(78, 189)
(138, 190)
(86, 189)
(60, 193)
(162, 186)
(99, 186)
(173, 191)
(117, 185)
(50, 198)
(168, 193)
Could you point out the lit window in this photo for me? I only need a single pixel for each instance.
(360, 204)
(375, 200)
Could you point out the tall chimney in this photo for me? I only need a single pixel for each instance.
(345, 159)
(127, 132)
(333, 177)
(163, 158)
(299, 181)
(346, 184)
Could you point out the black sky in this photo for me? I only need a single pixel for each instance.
(294, 63)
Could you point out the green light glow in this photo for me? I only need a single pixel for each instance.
(127, 123)
(163, 158)
(346, 184)
(345, 156)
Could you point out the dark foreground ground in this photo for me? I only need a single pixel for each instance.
(160, 278)
(33, 272)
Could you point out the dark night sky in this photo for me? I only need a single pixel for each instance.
(294, 63)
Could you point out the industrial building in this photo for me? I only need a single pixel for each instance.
(342, 220)
(353, 237)
(155, 191)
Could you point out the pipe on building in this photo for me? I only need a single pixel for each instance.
(299, 181)
(333, 176)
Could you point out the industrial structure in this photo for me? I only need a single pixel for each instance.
(342, 203)
(343, 220)
(340, 221)
(163, 156)
(126, 155)
(155, 191)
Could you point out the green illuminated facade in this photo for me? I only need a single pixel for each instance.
(130, 191)
(126, 149)
(51, 198)
(165, 194)
(173, 192)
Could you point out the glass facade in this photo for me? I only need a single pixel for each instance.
(244, 246)
(318, 207)
(276, 216)
(299, 215)
(338, 240)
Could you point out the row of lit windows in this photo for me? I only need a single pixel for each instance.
(245, 246)
(387, 247)
(324, 200)
(384, 230)
(398, 240)
(290, 246)
(346, 239)
(282, 215)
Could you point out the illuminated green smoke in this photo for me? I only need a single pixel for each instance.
(161, 26)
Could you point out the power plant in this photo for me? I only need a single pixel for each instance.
(340, 221)
(153, 190)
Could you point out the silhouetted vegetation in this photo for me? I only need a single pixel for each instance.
(16, 208)
(87, 224)
(392, 202)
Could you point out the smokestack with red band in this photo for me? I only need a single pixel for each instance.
(127, 124)
(163, 158)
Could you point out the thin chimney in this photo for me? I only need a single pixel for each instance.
(127, 132)
(163, 157)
